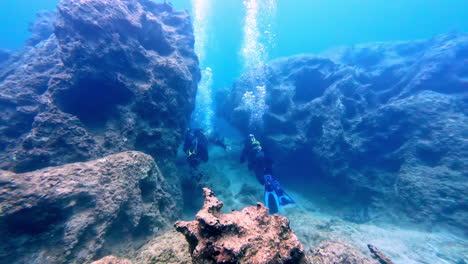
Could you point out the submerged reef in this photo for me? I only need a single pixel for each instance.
(248, 236)
(384, 125)
(77, 212)
(96, 78)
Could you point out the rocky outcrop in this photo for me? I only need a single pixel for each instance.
(247, 236)
(81, 211)
(329, 252)
(382, 124)
(169, 248)
(98, 77)
(377, 254)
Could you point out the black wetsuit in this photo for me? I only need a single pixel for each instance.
(196, 147)
(257, 160)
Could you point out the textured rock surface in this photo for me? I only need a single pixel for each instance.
(331, 252)
(247, 236)
(385, 125)
(78, 212)
(108, 76)
(378, 255)
(112, 260)
(170, 248)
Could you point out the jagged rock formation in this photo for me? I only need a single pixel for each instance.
(383, 124)
(378, 255)
(337, 253)
(78, 212)
(247, 236)
(98, 77)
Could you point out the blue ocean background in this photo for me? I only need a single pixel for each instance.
(301, 26)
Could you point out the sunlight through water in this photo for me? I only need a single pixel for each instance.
(203, 114)
(257, 43)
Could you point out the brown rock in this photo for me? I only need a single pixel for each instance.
(112, 260)
(331, 252)
(77, 212)
(170, 248)
(248, 236)
(377, 254)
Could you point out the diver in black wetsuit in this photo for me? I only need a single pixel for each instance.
(261, 165)
(257, 160)
(196, 148)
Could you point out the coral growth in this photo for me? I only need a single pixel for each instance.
(247, 236)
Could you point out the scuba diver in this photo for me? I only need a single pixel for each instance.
(196, 148)
(257, 160)
(261, 165)
(275, 196)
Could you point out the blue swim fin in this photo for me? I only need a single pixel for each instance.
(272, 201)
(284, 198)
(275, 197)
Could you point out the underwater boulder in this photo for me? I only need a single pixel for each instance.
(329, 252)
(169, 248)
(247, 236)
(82, 211)
(96, 78)
(382, 124)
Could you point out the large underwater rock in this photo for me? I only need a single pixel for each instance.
(78, 212)
(337, 253)
(383, 125)
(247, 236)
(98, 77)
(169, 248)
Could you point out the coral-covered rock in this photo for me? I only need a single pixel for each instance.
(112, 260)
(98, 77)
(331, 252)
(169, 248)
(77, 212)
(248, 236)
(384, 125)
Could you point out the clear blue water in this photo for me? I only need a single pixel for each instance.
(297, 26)
(301, 26)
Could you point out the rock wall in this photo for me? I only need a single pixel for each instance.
(384, 125)
(98, 77)
(81, 211)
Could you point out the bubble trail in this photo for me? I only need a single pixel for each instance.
(257, 43)
(204, 109)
